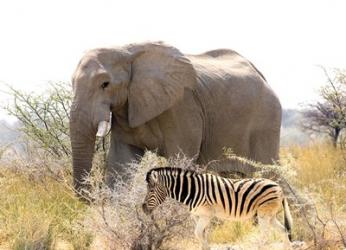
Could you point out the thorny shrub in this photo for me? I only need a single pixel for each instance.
(117, 216)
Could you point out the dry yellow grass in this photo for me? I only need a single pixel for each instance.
(320, 168)
(321, 176)
(34, 214)
(42, 213)
(230, 232)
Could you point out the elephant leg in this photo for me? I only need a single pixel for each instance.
(119, 156)
(237, 143)
(189, 145)
(181, 129)
(235, 169)
(232, 168)
(280, 228)
(265, 228)
(200, 230)
(265, 145)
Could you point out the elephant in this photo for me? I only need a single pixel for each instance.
(161, 99)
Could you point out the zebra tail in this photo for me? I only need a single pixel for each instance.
(288, 219)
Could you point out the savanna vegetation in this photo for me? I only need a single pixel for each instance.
(39, 210)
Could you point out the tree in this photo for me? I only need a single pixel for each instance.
(44, 118)
(328, 116)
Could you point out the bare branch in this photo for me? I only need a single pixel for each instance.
(328, 116)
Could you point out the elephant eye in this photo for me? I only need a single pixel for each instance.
(104, 85)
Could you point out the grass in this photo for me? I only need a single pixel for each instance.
(319, 172)
(320, 168)
(321, 176)
(230, 232)
(37, 213)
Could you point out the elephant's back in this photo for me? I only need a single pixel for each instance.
(225, 78)
(228, 78)
(224, 62)
(236, 100)
(219, 53)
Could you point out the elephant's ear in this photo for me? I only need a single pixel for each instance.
(159, 75)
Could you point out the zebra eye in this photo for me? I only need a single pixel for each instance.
(104, 85)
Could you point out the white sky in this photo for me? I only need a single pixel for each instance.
(43, 41)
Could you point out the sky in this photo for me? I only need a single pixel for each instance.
(42, 41)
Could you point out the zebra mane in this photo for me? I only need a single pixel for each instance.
(172, 169)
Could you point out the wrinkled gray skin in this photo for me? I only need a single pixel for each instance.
(165, 100)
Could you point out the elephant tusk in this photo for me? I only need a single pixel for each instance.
(103, 129)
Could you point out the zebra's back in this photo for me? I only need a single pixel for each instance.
(237, 199)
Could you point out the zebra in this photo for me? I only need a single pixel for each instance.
(208, 196)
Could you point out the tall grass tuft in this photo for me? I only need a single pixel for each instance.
(321, 176)
(36, 214)
(320, 168)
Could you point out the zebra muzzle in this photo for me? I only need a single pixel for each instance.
(145, 209)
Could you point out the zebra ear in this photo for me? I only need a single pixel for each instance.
(147, 178)
(154, 177)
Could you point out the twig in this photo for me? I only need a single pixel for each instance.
(337, 226)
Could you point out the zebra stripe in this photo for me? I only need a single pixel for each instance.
(210, 195)
(237, 197)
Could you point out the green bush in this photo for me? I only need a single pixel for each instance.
(44, 117)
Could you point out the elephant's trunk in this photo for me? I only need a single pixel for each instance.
(83, 137)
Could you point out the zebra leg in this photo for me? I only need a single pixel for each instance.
(278, 226)
(200, 230)
(264, 224)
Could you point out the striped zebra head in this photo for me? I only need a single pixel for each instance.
(156, 191)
